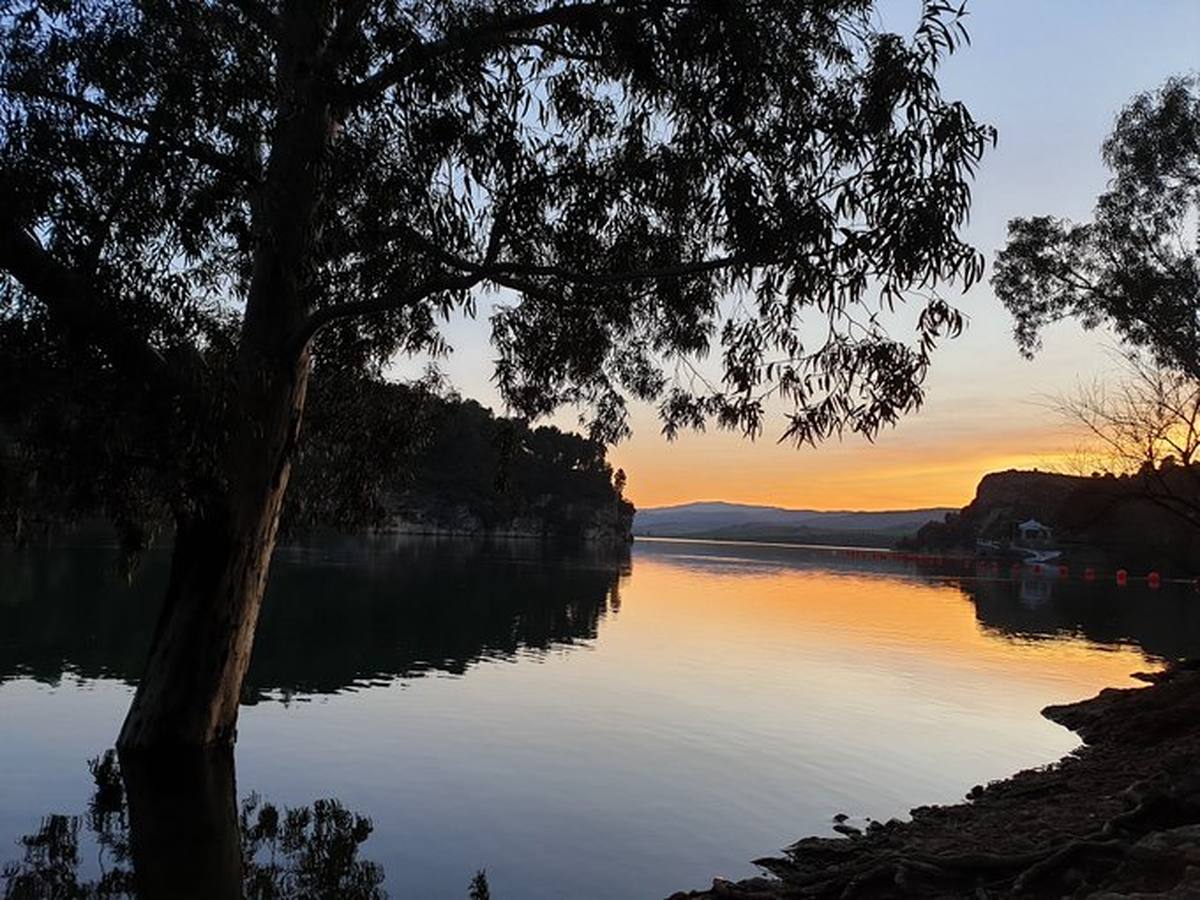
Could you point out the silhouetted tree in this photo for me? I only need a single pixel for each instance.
(478, 889)
(1136, 266)
(620, 480)
(1146, 425)
(200, 202)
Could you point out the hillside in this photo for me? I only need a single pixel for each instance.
(1124, 520)
(718, 520)
(400, 458)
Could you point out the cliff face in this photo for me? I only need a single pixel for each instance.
(1014, 496)
(1112, 518)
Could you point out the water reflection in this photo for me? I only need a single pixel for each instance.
(1164, 623)
(172, 828)
(740, 698)
(336, 615)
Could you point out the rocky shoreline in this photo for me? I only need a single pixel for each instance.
(1118, 818)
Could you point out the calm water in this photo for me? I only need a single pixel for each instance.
(579, 725)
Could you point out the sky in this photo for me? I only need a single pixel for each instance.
(1051, 76)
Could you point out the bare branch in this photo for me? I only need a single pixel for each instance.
(1144, 428)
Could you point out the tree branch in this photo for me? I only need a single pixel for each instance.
(348, 21)
(328, 314)
(491, 270)
(489, 35)
(194, 150)
(505, 274)
(577, 276)
(70, 296)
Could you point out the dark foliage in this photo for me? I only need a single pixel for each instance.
(377, 451)
(299, 853)
(364, 440)
(1136, 265)
(619, 169)
(500, 473)
(479, 889)
(376, 608)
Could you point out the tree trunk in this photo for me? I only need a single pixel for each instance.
(190, 690)
(189, 693)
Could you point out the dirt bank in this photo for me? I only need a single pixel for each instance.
(1120, 817)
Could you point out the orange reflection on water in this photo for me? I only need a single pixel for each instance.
(856, 677)
(758, 607)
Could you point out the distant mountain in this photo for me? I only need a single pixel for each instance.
(738, 521)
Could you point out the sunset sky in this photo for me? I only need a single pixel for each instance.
(1050, 75)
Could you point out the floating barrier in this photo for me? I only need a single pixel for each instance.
(985, 567)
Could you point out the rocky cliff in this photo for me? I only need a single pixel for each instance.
(1123, 519)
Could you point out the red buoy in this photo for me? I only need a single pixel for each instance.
(1154, 580)
(1037, 569)
(1063, 571)
(1089, 574)
(1122, 578)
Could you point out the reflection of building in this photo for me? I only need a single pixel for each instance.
(1035, 591)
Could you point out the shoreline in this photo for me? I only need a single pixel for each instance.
(1117, 818)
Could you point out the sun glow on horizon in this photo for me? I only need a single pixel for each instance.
(866, 477)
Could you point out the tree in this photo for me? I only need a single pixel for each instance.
(1136, 266)
(1145, 431)
(200, 202)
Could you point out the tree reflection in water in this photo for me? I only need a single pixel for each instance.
(1164, 623)
(173, 829)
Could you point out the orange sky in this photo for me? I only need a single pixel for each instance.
(910, 467)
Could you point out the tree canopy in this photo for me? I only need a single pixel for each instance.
(1136, 266)
(620, 170)
(205, 202)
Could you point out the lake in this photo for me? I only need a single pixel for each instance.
(579, 724)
